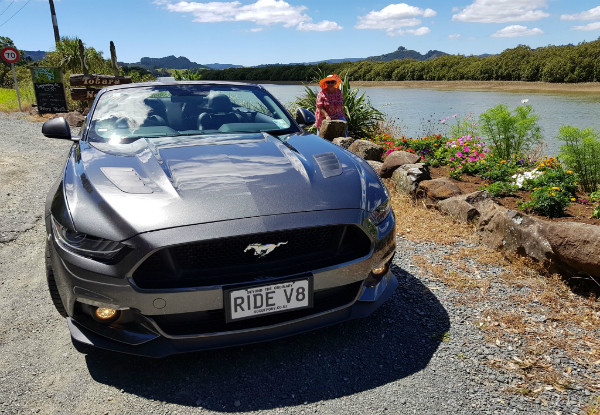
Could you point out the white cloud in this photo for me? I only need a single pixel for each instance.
(517, 31)
(324, 26)
(256, 29)
(589, 26)
(454, 36)
(591, 14)
(262, 12)
(394, 18)
(502, 11)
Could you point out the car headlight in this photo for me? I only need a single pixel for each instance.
(380, 212)
(84, 244)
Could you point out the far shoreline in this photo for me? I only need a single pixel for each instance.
(503, 86)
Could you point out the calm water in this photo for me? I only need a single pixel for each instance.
(418, 111)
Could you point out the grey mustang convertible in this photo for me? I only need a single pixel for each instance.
(198, 215)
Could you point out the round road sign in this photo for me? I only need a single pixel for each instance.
(10, 55)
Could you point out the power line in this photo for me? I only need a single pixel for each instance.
(8, 7)
(17, 12)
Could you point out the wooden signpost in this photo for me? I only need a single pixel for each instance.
(92, 83)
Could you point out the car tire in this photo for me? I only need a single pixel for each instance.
(54, 294)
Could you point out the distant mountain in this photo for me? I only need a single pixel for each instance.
(221, 65)
(35, 55)
(403, 53)
(173, 62)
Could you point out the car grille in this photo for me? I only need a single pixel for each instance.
(229, 260)
(213, 321)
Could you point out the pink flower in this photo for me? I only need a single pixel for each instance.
(451, 158)
(459, 154)
(454, 116)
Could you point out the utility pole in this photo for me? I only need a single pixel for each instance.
(54, 22)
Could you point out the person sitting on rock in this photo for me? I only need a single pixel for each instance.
(330, 101)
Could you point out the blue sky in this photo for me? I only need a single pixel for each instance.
(252, 32)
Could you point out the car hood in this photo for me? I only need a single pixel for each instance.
(151, 184)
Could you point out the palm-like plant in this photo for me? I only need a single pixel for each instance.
(361, 116)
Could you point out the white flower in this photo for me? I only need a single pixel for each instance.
(528, 175)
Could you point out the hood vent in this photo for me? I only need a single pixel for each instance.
(126, 179)
(329, 164)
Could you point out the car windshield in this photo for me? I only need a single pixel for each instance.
(124, 115)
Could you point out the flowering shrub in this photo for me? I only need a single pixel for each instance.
(526, 176)
(424, 146)
(547, 201)
(553, 175)
(464, 155)
(595, 197)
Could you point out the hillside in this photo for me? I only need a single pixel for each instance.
(403, 53)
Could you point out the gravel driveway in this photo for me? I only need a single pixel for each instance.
(421, 353)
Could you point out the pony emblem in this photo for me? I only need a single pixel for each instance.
(262, 250)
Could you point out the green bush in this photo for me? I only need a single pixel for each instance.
(556, 177)
(362, 117)
(581, 153)
(510, 134)
(501, 189)
(547, 201)
(499, 169)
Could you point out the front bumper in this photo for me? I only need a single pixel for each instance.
(83, 284)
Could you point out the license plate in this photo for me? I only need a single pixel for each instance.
(274, 298)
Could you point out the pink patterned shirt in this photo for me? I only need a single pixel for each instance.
(332, 102)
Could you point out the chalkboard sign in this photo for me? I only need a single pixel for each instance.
(49, 90)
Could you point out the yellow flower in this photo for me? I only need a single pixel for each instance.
(542, 164)
(556, 188)
(569, 172)
(551, 193)
(575, 183)
(503, 161)
(573, 199)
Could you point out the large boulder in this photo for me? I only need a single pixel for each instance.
(331, 129)
(408, 176)
(344, 142)
(435, 190)
(396, 159)
(463, 207)
(576, 246)
(366, 149)
(505, 229)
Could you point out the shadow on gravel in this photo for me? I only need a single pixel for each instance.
(396, 341)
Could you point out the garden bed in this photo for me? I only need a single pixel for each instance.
(575, 212)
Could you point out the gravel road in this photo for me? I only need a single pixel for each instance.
(421, 353)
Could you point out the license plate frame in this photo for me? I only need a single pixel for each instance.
(233, 314)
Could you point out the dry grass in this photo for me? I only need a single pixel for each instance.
(544, 318)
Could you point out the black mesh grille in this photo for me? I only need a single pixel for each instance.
(214, 320)
(232, 260)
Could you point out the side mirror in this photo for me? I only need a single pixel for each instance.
(304, 117)
(57, 128)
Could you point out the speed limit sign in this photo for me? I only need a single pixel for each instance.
(10, 55)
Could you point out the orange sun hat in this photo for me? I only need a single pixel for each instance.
(334, 77)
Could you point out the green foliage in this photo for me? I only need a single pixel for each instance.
(362, 117)
(463, 127)
(569, 63)
(547, 201)
(509, 134)
(581, 153)
(501, 189)
(67, 57)
(498, 169)
(187, 75)
(595, 197)
(557, 177)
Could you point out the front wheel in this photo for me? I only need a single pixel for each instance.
(52, 284)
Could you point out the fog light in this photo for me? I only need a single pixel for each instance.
(105, 314)
(376, 275)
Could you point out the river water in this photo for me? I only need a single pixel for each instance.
(418, 111)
